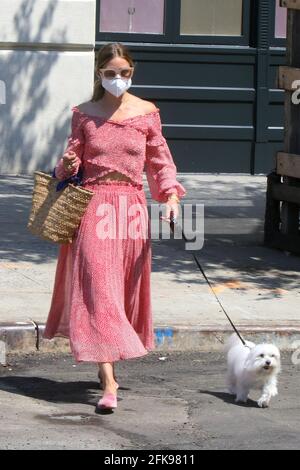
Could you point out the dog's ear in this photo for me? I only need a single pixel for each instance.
(249, 359)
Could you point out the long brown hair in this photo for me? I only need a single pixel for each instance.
(106, 53)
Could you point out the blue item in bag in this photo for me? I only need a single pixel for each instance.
(75, 179)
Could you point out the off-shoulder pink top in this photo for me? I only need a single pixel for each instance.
(129, 146)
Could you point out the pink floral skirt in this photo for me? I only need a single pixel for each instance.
(101, 299)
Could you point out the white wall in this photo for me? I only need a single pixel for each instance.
(46, 67)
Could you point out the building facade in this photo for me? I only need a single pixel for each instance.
(46, 66)
(209, 65)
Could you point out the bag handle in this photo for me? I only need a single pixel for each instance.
(75, 179)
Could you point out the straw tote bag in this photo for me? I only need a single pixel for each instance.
(57, 206)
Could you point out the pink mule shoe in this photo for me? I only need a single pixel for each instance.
(108, 402)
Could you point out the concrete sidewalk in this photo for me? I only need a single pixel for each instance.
(258, 286)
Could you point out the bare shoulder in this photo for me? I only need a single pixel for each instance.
(148, 106)
(143, 106)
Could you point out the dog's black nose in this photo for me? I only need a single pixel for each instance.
(268, 363)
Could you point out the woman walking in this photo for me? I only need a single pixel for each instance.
(101, 298)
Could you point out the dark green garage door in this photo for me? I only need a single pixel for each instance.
(210, 66)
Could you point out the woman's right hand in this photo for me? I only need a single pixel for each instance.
(69, 161)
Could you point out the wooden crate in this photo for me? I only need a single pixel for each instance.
(283, 188)
(276, 235)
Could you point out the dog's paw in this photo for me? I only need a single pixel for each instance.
(263, 403)
(274, 392)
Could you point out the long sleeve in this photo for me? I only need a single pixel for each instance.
(160, 168)
(76, 143)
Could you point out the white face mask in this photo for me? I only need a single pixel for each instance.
(117, 86)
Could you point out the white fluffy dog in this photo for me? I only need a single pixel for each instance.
(252, 367)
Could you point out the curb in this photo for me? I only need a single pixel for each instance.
(17, 339)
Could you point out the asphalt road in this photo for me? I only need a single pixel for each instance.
(48, 402)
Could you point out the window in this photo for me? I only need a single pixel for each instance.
(132, 16)
(278, 25)
(174, 21)
(211, 17)
(280, 21)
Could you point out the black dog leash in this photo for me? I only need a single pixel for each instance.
(174, 221)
